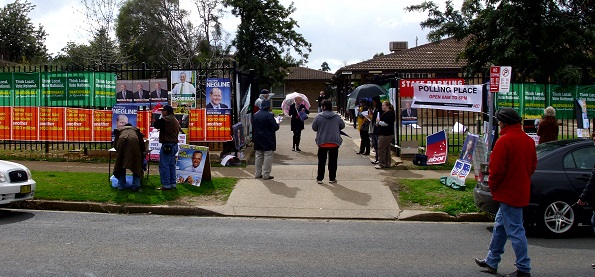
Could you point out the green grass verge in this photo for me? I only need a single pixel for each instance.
(94, 187)
(430, 193)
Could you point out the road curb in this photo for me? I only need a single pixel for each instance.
(54, 205)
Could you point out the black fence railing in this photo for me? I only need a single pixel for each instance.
(70, 150)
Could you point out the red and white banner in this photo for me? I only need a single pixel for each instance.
(406, 85)
(500, 78)
(436, 148)
(453, 97)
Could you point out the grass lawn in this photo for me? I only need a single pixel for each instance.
(430, 194)
(94, 187)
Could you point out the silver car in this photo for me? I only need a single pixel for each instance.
(16, 183)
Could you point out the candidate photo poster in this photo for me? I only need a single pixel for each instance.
(123, 114)
(191, 164)
(218, 93)
(466, 154)
(408, 114)
(183, 88)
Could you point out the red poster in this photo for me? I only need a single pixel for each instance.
(24, 123)
(406, 85)
(196, 125)
(143, 121)
(79, 125)
(102, 125)
(5, 123)
(51, 124)
(218, 125)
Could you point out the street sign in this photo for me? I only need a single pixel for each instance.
(500, 78)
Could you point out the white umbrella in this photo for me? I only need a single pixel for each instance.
(290, 99)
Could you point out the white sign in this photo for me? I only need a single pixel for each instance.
(500, 78)
(447, 97)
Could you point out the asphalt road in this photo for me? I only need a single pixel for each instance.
(41, 243)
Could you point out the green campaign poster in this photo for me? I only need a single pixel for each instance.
(533, 100)
(105, 90)
(26, 89)
(587, 93)
(6, 90)
(53, 89)
(510, 99)
(80, 85)
(562, 100)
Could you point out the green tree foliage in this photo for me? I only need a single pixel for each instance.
(548, 41)
(20, 41)
(266, 38)
(100, 51)
(324, 67)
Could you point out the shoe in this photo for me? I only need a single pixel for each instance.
(319, 181)
(378, 166)
(332, 181)
(593, 266)
(292, 148)
(163, 188)
(482, 263)
(297, 149)
(359, 153)
(519, 274)
(367, 154)
(375, 162)
(258, 177)
(268, 178)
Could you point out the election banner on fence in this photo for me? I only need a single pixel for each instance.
(447, 97)
(436, 148)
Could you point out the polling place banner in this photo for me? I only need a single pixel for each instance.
(406, 85)
(447, 97)
(436, 148)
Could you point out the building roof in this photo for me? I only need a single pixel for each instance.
(438, 55)
(304, 73)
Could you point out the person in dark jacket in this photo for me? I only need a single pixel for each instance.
(169, 127)
(363, 126)
(373, 132)
(131, 149)
(297, 124)
(386, 134)
(264, 127)
(547, 130)
(588, 195)
(328, 126)
(512, 163)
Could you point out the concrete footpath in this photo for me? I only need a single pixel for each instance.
(361, 191)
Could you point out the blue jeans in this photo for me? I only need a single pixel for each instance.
(167, 166)
(509, 224)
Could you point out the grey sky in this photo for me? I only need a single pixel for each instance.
(342, 32)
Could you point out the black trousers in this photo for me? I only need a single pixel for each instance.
(297, 136)
(333, 155)
(364, 146)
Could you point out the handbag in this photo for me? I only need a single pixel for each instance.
(420, 159)
(303, 115)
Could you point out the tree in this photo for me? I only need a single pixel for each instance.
(101, 51)
(548, 41)
(20, 41)
(324, 67)
(378, 55)
(266, 38)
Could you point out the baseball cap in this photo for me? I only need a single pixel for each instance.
(168, 108)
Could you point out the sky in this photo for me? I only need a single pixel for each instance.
(342, 32)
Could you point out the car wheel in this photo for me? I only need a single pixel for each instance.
(558, 218)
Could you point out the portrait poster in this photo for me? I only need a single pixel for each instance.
(408, 114)
(218, 93)
(159, 91)
(183, 91)
(466, 154)
(191, 164)
(122, 114)
(238, 135)
(124, 92)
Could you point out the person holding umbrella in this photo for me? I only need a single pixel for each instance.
(328, 126)
(297, 111)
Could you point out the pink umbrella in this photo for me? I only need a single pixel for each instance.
(290, 99)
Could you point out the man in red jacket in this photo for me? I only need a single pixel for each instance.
(512, 162)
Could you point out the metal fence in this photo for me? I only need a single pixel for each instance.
(75, 150)
(456, 123)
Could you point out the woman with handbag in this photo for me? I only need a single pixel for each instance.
(386, 134)
(298, 113)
